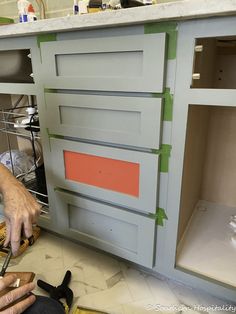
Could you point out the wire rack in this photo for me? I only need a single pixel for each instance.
(34, 177)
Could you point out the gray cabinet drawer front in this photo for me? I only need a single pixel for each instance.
(129, 63)
(128, 235)
(119, 176)
(132, 121)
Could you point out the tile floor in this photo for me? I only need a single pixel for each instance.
(105, 283)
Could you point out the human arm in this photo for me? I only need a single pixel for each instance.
(20, 208)
(14, 296)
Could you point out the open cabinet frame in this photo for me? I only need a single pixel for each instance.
(207, 99)
(208, 204)
(20, 146)
(23, 78)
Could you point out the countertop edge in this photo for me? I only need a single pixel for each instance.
(181, 10)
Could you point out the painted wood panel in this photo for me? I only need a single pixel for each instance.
(128, 63)
(128, 235)
(107, 173)
(104, 173)
(123, 120)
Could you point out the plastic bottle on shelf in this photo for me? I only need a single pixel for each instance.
(23, 10)
(76, 7)
(26, 11)
(31, 13)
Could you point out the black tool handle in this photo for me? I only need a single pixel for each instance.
(69, 297)
(45, 286)
(66, 279)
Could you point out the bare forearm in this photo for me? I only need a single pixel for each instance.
(6, 179)
(10, 188)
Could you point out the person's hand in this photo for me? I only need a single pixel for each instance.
(20, 208)
(15, 294)
(21, 211)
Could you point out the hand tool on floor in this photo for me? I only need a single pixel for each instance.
(60, 292)
(84, 310)
(6, 263)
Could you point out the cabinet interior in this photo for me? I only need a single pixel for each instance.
(16, 66)
(208, 198)
(214, 63)
(20, 143)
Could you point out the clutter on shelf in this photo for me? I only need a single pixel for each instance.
(92, 6)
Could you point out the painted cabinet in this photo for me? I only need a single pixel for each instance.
(134, 121)
(107, 227)
(120, 176)
(104, 116)
(20, 89)
(100, 101)
(122, 63)
(201, 248)
(105, 107)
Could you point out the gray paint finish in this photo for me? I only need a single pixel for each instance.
(129, 63)
(184, 96)
(134, 121)
(129, 30)
(106, 227)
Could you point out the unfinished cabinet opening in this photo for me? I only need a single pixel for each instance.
(207, 222)
(214, 63)
(16, 66)
(20, 144)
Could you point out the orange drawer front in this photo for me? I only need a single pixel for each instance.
(112, 174)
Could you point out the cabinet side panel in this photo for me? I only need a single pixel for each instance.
(220, 172)
(193, 163)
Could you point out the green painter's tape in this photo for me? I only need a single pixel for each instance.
(164, 153)
(159, 216)
(168, 104)
(45, 38)
(6, 20)
(165, 27)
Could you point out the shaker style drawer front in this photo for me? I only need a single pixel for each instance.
(120, 176)
(129, 63)
(134, 121)
(128, 235)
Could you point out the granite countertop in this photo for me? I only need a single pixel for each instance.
(180, 10)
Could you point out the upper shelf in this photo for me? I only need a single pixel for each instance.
(214, 63)
(16, 66)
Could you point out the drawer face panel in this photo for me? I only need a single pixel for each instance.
(111, 229)
(129, 63)
(119, 176)
(68, 64)
(116, 175)
(134, 121)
